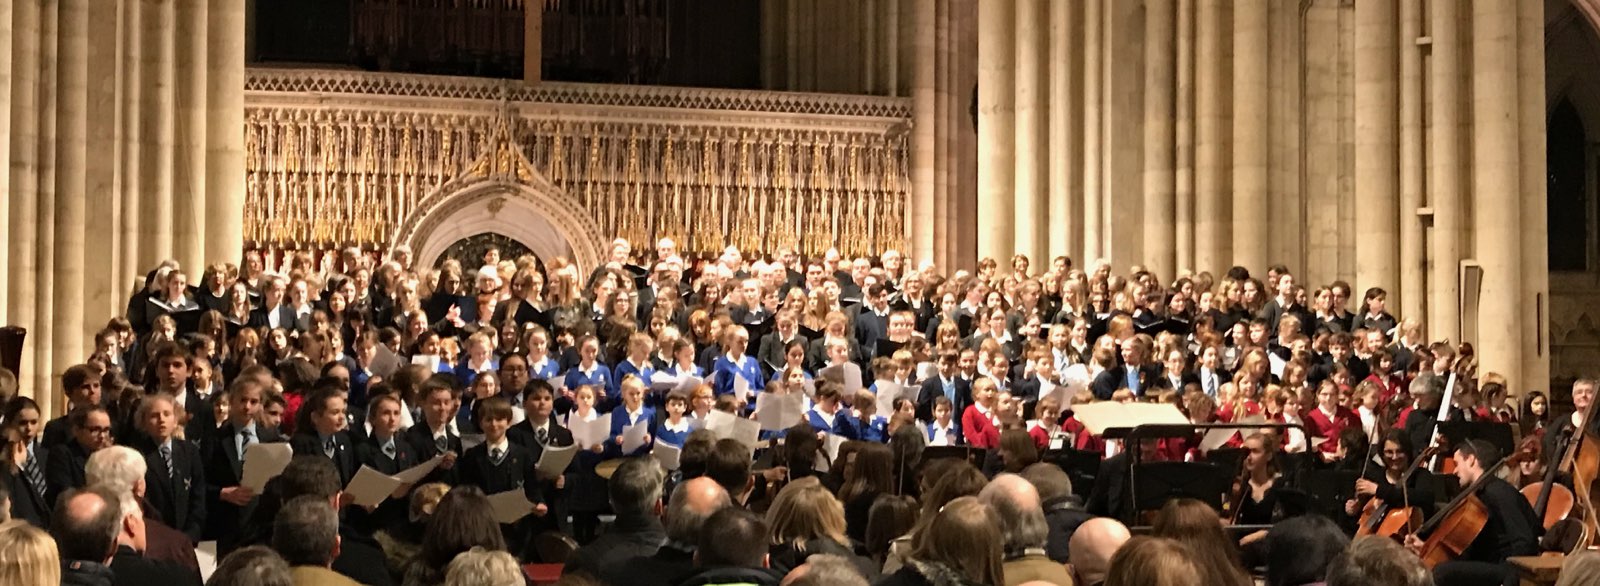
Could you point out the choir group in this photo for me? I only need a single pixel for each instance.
(855, 404)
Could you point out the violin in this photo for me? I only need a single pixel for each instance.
(1379, 518)
(1236, 496)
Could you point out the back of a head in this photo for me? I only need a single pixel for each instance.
(1580, 569)
(1315, 542)
(954, 481)
(306, 531)
(1194, 524)
(1379, 561)
(1153, 561)
(309, 475)
(805, 510)
(29, 556)
(697, 450)
(692, 503)
(85, 524)
(964, 536)
(256, 565)
(462, 521)
(729, 465)
(890, 517)
(119, 467)
(482, 567)
(825, 570)
(732, 538)
(635, 487)
(1049, 479)
(1093, 545)
(1016, 506)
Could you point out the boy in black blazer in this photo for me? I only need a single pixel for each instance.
(227, 503)
(432, 435)
(385, 451)
(175, 480)
(498, 465)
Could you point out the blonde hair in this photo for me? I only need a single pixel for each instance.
(479, 566)
(805, 510)
(30, 555)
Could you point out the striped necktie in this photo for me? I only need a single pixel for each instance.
(35, 473)
(166, 457)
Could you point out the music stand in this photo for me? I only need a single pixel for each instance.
(1227, 458)
(968, 453)
(1081, 466)
(1158, 482)
(1327, 491)
(1497, 434)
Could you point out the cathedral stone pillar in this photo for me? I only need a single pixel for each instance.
(23, 229)
(1065, 107)
(189, 148)
(1093, 116)
(1031, 126)
(1445, 157)
(103, 294)
(72, 103)
(996, 111)
(130, 254)
(5, 147)
(1377, 206)
(156, 117)
(1160, 237)
(1183, 138)
(924, 126)
(1412, 273)
(224, 140)
(1534, 313)
(1496, 179)
(1250, 156)
(1211, 194)
(43, 332)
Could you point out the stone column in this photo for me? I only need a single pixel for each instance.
(924, 129)
(225, 181)
(1031, 211)
(996, 109)
(1534, 311)
(1211, 197)
(1183, 137)
(72, 104)
(1160, 245)
(1377, 229)
(944, 179)
(131, 253)
(1250, 133)
(43, 333)
(189, 152)
(102, 284)
(893, 40)
(1445, 92)
(157, 117)
(772, 40)
(1065, 180)
(871, 32)
(1496, 177)
(23, 229)
(5, 149)
(791, 49)
(1093, 147)
(1413, 284)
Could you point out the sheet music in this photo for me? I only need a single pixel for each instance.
(887, 393)
(510, 506)
(555, 460)
(667, 454)
(725, 425)
(416, 473)
(633, 436)
(848, 375)
(591, 433)
(778, 411)
(369, 487)
(741, 388)
(263, 462)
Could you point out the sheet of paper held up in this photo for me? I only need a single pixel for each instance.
(633, 436)
(663, 382)
(369, 487)
(888, 391)
(741, 388)
(848, 375)
(415, 474)
(510, 506)
(778, 411)
(667, 454)
(1099, 417)
(263, 462)
(591, 433)
(555, 460)
(1217, 437)
(725, 425)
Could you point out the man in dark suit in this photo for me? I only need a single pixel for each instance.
(1135, 373)
(1112, 495)
(325, 434)
(948, 384)
(82, 388)
(359, 556)
(175, 473)
(91, 431)
(228, 503)
(93, 532)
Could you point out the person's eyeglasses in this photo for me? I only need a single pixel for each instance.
(98, 430)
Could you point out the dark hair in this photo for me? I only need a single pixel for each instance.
(800, 448)
(434, 384)
(493, 408)
(309, 474)
(17, 405)
(870, 474)
(1315, 541)
(87, 539)
(890, 517)
(635, 487)
(732, 537)
(314, 404)
(1194, 524)
(461, 522)
(77, 376)
(1017, 450)
(729, 465)
(256, 565)
(697, 448)
(1484, 451)
(305, 531)
(536, 386)
(80, 416)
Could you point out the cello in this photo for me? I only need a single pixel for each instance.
(1452, 530)
(1582, 458)
(1551, 500)
(1378, 518)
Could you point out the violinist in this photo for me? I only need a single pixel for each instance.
(1257, 497)
(1418, 421)
(1511, 528)
(1386, 486)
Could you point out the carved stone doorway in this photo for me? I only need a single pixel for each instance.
(469, 251)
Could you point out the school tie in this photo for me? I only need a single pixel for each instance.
(388, 449)
(35, 474)
(541, 434)
(329, 446)
(166, 457)
(496, 455)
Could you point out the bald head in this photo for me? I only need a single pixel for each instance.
(86, 523)
(1092, 546)
(1016, 504)
(692, 503)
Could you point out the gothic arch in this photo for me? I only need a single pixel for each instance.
(501, 192)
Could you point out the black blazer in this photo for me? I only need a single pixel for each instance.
(344, 454)
(27, 502)
(391, 512)
(522, 434)
(223, 465)
(421, 440)
(134, 568)
(63, 469)
(772, 349)
(515, 471)
(933, 388)
(1116, 377)
(180, 498)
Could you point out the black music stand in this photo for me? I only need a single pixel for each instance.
(974, 456)
(1154, 483)
(1497, 434)
(1327, 490)
(1081, 467)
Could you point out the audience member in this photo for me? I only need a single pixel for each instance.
(1063, 510)
(1195, 525)
(122, 470)
(692, 502)
(87, 524)
(252, 566)
(1154, 561)
(1301, 549)
(960, 545)
(891, 517)
(28, 556)
(306, 534)
(358, 557)
(481, 567)
(402, 541)
(806, 520)
(462, 522)
(733, 550)
(1022, 523)
(1092, 547)
(637, 532)
(824, 570)
(1379, 561)
(1580, 569)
